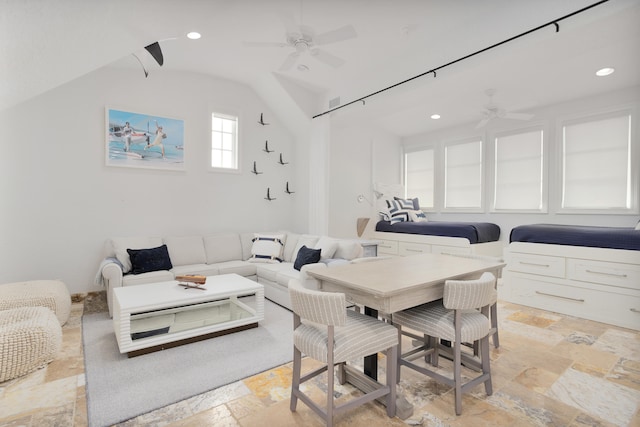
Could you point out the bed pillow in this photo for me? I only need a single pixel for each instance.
(147, 260)
(400, 203)
(398, 211)
(418, 216)
(415, 202)
(638, 226)
(267, 248)
(306, 256)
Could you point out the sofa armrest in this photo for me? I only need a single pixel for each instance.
(112, 275)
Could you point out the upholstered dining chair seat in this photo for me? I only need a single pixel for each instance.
(359, 336)
(435, 320)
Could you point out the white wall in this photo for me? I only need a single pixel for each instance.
(548, 117)
(359, 157)
(60, 202)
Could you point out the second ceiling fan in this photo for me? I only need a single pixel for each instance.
(493, 111)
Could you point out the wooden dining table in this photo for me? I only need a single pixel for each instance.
(394, 284)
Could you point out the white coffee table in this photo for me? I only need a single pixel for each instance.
(160, 315)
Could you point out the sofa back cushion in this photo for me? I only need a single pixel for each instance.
(223, 247)
(186, 250)
(117, 246)
(290, 246)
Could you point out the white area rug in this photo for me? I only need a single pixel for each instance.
(119, 388)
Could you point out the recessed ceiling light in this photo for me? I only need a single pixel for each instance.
(435, 116)
(604, 71)
(193, 35)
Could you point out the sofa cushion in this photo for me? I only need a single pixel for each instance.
(348, 249)
(223, 247)
(306, 256)
(267, 248)
(243, 268)
(152, 277)
(186, 250)
(121, 244)
(284, 276)
(290, 246)
(270, 271)
(327, 245)
(147, 260)
(200, 269)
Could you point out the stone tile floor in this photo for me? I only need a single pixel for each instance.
(550, 370)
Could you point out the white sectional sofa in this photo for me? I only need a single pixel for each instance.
(224, 253)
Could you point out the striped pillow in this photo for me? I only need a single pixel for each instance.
(399, 211)
(267, 248)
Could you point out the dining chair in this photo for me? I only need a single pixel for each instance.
(325, 330)
(454, 318)
(493, 310)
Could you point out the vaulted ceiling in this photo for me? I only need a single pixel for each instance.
(44, 44)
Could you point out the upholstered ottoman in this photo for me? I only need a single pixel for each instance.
(30, 337)
(52, 294)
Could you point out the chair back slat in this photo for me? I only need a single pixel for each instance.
(469, 294)
(327, 308)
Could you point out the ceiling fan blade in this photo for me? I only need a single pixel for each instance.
(483, 123)
(289, 61)
(264, 44)
(327, 58)
(518, 116)
(343, 33)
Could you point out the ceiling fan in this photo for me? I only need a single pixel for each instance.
(304, 39)
(493, 111)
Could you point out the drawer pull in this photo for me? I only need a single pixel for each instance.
(635, 310)
(535, 264)
(413, 250)
(560, 296)
(604, 273)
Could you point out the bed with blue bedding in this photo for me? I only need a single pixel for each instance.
(475, 232)
(575, 235)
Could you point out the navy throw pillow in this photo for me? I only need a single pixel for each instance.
(306, 256)
(146, 260)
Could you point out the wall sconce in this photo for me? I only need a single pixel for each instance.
(361, 197)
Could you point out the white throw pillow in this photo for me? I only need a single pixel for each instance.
(267, 248)
(638, 226)
(348, 250)
(418, 216)
(327, 246)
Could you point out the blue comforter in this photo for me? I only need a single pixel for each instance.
(575, 235)
(475, 232)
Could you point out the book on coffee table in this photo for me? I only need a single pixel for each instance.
(192, 278)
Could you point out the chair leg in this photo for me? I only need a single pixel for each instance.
(486, 364)
(494, 325)
(392, 362)
(457, 376)
(398, 354)
(295, 382)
